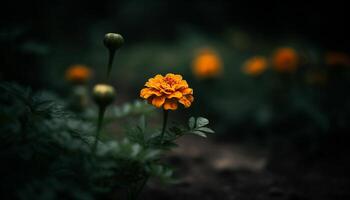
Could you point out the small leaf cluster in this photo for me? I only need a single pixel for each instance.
(198, 126)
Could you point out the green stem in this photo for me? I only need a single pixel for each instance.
(101, 112)
(110, 61)
(165, 119)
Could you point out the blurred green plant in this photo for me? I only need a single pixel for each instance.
(46, 151)
(50, 152)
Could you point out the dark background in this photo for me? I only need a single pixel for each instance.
(50, 22)
(323, 22)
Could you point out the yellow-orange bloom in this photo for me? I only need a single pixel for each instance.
(167, 91)
(337, 58)
(207, 64)
(255, 66)
(285, 60)
(78, 74)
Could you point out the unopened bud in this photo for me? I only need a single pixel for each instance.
(103, 94)
(113, 41)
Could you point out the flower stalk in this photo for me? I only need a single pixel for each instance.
(101, 113)
(110, 62)
(165, 120)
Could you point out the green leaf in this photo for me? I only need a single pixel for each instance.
(164, 173)
(135, 150)
(199, 133)
(191, 123)
(205, 129)
(201, 121)
(151, 154)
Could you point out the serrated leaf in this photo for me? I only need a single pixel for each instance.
(201, 121)
(191, 122)
(199, 133)
(205, 129)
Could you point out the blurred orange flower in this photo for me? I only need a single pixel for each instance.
(207, 64)
(255, 66)
(337, 58)
(285, 60)
(78, 74)
(167, 91)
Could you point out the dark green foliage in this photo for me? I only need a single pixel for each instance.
(46, 151)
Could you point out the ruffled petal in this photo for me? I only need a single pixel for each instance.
(158, 101)
(174, 76)
(153, 84)
(147, 92)
(170, 105)
(186, 100)
(181, 85)
(190, 98)
(177, 77)
(158, 77)
(144, 93)
(187, 91)
(176, 94)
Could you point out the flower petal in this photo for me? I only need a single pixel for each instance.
(190, 98)
(176, 94)
(158, 101)
(187, 91)
(158, 76)
(181, 85)
(170, 105)
(147, 92)
(186, 100)
(153, 84)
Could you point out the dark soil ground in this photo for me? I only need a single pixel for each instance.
(210, 169)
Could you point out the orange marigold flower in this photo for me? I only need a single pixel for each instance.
(167, 91)
(337, 59)
(207, 64)
(255, 66)
(285, 60)
(78, 74)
